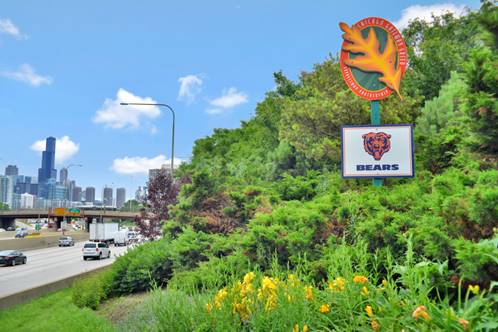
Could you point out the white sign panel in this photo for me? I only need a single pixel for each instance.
(377, 151)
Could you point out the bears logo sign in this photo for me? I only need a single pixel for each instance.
(377, 151)
(376, 144)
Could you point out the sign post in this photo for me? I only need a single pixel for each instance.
(373, 61)
(375, 117)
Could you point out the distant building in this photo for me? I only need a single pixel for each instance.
(107, 198)
(76, 197)
(63, 176)
(90, 194)
(6, 190)
(47, 170)
(140, 194)
(120, 197)
(55, 191)
(11, 170)
(27, 201)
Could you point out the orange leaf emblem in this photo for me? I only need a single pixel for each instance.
(372, 59)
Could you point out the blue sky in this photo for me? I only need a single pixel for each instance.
(65, 66)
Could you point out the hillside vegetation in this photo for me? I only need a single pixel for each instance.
(267, 236)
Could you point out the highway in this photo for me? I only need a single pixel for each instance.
(49, 265)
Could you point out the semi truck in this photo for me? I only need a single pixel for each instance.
(103, 232)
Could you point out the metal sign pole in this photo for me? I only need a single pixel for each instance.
(375, 116)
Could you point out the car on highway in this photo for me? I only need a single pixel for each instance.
(97, 250)
(66, 241)
(2, 230)
(12, 257)
(10, 229)
(21, 232)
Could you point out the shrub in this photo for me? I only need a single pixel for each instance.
(91, 291)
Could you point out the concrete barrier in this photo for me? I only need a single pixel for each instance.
(35, 292)
(40, 242)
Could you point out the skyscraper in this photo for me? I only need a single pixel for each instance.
(47, 171)
(6, 190)
(107, 197)
(90, 195)
(76, 197)
(11, 170)
(120, 197)
(63, 176)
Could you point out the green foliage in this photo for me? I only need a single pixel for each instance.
(90, 291)
(53, 312)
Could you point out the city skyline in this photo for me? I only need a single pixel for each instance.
(25, 191)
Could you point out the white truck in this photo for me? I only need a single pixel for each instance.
(121, 238)
(103, 232)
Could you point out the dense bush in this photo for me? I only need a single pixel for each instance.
(91, 291)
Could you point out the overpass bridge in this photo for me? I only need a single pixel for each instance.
(8, 218)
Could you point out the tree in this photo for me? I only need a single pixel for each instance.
(3, 206)
(162, 192)
(481, 72)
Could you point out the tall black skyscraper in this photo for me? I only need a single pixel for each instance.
(47, 170)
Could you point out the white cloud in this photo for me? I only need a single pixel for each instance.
(117, 116)
(7, 27)
(65, 148)
(229, 99)
(190, 87)
(136, 165)
(214, 111)
(425, 13)
(27, 74)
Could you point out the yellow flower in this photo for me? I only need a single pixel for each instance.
(324, 308)
(384, 282)
(474, 289)
(421, 312)
(464, 323)
(209, 307)
(375, 325)
(242, 309)
(220, 296)
(271, 302)
(296, 328)
(337, 284)
(269, 283)
(309, 292)
(248, 278)
(360, 279)
(369, 311)
(305, 328)
(364, 291)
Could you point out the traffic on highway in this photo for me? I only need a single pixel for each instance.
(43, 266)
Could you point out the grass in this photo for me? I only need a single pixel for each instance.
(52, 312)
(116, 309)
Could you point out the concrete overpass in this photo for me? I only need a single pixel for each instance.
(7, 218)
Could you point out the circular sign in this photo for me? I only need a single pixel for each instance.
(373, 58)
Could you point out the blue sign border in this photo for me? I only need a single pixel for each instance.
(370, 176)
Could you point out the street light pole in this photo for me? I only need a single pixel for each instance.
(172, 131)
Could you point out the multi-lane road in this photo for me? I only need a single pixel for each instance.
(48, 265)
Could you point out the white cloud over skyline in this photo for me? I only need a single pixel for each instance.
(425, 13)
(229, 98)
(190, 87)
(65, 148)
(27, 74)
(9, 28)
(116, 116)
(141, 165)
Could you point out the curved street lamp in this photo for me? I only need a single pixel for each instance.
(172, 131)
